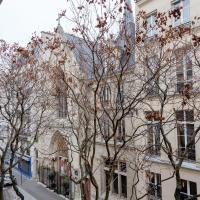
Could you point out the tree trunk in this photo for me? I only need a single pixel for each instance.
(19, 194)
(177, 193)
(1, 191)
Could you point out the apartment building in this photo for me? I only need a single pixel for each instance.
(179, 120)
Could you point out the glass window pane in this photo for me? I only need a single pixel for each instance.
(189, 115)
(186, 11)
(179, 64)
(151, 25)
(152, 178)
(157, 139)
(190, 130)
(189, 74)
(123, 166)
(154, 186)
(115, 183)
(180, 115)
(188, 62)
(193, 188)
(124, 185)
(180, 129)
(149, 32)
(184, 186)
(192, 153)
(152, 64)
(159, 191)
(180, 77)
(150, 138)
(181, 142)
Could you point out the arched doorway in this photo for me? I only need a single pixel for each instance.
(58, 152)
(57, 170)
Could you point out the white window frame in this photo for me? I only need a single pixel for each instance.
(151, 25)
(185, 60)
(152, 149)
(153, 86)
(185, 123)
(119, 173)
(156, 197)
(188, 188)
(185, 4)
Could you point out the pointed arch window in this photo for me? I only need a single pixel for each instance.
(105, 95)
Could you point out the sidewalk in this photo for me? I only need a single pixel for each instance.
(10, 194)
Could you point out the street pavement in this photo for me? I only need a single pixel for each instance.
(31, 190)
(39, 192)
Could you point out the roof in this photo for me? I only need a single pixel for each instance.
(82, 53)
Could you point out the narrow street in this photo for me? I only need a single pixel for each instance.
(31, 190)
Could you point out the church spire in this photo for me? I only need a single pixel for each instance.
(128, 19)
(126, 38)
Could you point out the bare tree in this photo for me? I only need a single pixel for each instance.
(24, 104)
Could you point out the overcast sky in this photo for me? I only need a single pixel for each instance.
(20, 18)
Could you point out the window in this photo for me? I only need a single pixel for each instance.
(185, 130)
(105, 127)
(183, 71)
(188, 189)
(105, 95)
(151, 25)
(120, 94)
(153, 85)
(121, 130)
(184, 15)
(62, 105)
(118, 178)
(26, 131)
(153, 132)
(154, 138)
(154, 186)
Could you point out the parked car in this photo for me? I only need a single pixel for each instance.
(7, 180)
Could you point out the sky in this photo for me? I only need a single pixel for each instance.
(19, 19)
